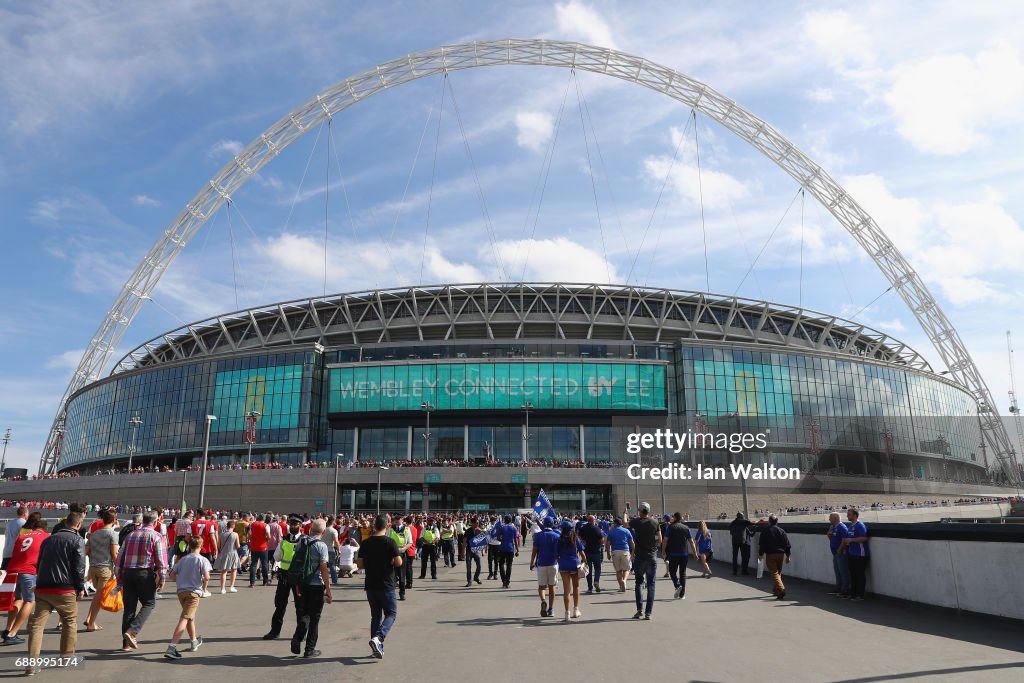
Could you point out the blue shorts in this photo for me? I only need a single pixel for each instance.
(25, 588)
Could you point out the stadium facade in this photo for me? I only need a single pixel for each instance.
(362, 374)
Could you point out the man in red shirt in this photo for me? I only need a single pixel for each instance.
(206, 528)
(258, 538)
(416, 530)
(24, 561)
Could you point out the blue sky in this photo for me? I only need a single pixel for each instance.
(115, 115)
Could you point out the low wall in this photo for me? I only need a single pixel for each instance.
(964, 567)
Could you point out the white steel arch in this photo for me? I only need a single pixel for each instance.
(674, 84)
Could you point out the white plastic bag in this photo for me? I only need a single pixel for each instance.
(760, 567)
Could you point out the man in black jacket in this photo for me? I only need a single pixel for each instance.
(59, 583)
(740, 543)
(773, 545)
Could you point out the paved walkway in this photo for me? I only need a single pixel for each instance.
(727, 629)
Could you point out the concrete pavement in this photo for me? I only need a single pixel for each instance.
(728, 629)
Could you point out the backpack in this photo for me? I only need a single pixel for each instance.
(302, 568)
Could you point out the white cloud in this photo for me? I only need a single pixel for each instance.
(556, 260)
(225, 148)
(144, 200)
(821, 95)
(962, 247)
(67, 360)
(578, 21)
(533, 129)
(839, 36)
(946, 104)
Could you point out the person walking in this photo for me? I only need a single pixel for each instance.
(24, 562)
(508, 550)
(308, 572)
(704, 548)
(141, 568)
(11, 533)
(675, 549)
(856, 548)
(379, 557)
(593, 541)
(59, 582)
(571, 555)
(101, 549)
(493, 543)
(283, 556)
(647, 540)
(619, 549)
(544, 559)
(740, 544)
(227, 559)
(470, 548)
(259, 557)
(330, 539)
(773, 545)
(192, 578)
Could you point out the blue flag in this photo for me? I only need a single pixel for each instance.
(478, 543)
(543, 508)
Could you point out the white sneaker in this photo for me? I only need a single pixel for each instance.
(158, 597)
(577, 614)
(566, 617)
(207, 594)
(223, 591)
(232, 590)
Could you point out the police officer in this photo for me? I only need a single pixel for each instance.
(448, 542)
(283, 555)
(402, 536)
(428, 552)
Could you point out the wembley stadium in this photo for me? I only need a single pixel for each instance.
(469, 383)
(475, 396)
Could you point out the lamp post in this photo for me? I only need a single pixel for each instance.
(135, 422)
(743, 480)
(427, 407)
(3, 459)
(379, 468)
(250, 432)
(337, 464)
(526, 408)
(206, 454)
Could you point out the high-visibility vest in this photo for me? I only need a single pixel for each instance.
(447, 533)
(429, 537)
(287, 551)
(400, 539)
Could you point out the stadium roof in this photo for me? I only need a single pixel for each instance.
(498, 312)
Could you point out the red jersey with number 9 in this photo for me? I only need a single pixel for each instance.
(26, 553)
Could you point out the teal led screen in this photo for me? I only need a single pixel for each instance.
(498, 386)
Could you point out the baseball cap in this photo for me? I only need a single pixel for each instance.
(294, 519)
(645, 507)
(666, 517)
(566, 524)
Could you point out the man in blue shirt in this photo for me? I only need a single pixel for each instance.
(619, 548)
(545, 560)
(508, 549)
(837, 531)
(856, 548)
(676, 544)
